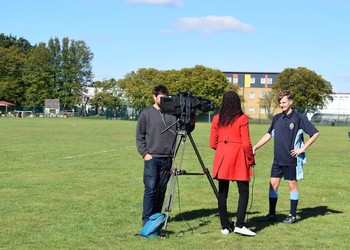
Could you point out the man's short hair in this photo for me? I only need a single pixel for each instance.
(160, 89)
(285, 93)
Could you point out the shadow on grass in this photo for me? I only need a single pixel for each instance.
(195, 214)
(252, 219)
(302, 214)
(203, 215)
(310, 212)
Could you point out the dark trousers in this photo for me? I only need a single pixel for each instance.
(155, 178)
(243, 190)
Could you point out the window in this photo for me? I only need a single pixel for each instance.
(269, 80)
(252, 80)
(229, 79)
(251, 95)
(262, 110)
(251, 110)
(235, 80)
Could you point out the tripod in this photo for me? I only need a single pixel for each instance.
(182, 135)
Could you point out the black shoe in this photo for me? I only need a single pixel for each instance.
(269, 217)
(290, 219)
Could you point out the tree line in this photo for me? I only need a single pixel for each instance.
(62, 70)
(29, 74)
(311, 91)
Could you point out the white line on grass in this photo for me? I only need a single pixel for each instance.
(93, 153)
(100, 152)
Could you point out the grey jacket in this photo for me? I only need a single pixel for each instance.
(149, 139)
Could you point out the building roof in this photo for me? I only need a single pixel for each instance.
(5, 103)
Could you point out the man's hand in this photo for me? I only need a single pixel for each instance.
(147, 157)
(296, 152)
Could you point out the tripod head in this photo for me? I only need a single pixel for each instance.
(181, 126)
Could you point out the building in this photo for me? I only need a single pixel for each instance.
(339, 106)
(336, 112)
(253, 86)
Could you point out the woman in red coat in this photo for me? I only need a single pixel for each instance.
(233, 160)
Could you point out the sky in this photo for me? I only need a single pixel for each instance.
(228, 35)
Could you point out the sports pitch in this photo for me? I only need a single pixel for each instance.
(77, 184)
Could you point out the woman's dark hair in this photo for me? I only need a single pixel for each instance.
(230, 109)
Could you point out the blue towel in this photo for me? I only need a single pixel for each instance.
(301, 158)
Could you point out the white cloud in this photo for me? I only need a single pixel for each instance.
(211, 24)
(343, 76)
(167, 32)
(171, 3)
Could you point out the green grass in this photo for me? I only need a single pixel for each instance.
(77, 184)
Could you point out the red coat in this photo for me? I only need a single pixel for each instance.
(234, 153)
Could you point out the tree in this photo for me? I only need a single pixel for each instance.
(105, 95)
(54, 47)
(205, 82)
(22, 44)
(13, 53)
(38, 75)
(201, 81)
(30, 74)
(266, 102)
(12, 87)
(138, 86)
(75, 73)
(310, 90)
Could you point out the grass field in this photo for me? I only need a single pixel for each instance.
(77, 184)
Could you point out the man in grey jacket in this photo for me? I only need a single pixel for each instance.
(157, 150)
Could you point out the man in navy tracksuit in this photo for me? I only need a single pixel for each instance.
(287, 128)
(157, 150)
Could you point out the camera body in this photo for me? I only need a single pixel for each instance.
(184, 105)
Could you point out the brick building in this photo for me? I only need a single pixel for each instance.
(252, 86)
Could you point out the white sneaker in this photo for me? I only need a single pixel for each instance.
(225, 231)
(244, 231)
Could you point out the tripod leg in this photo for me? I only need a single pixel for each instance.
(172, 185)
(205, 170)
(173, 179)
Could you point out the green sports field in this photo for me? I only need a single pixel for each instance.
(77, 184)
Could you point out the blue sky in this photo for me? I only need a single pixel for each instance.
(228, 35)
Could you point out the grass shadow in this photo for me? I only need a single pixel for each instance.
(203, 215)
(252, 222)
(302, 214)
(195, 214)
(306, 213)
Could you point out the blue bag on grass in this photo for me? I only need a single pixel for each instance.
(153, 225)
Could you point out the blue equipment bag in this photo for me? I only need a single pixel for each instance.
(153, 225)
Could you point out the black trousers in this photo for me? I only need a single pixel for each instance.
(243, 190)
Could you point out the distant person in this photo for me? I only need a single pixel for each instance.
(287, 128)
(233, 160)
(157, 150)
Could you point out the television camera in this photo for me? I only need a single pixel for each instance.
(183, 105)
